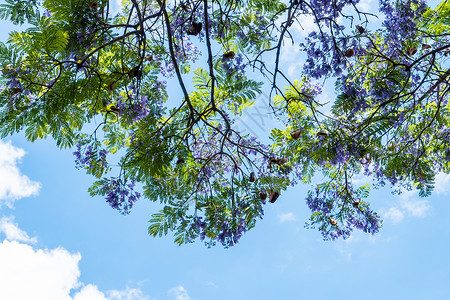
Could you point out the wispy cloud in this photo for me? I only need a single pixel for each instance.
(442, 183)
(407, 206)
(13, 232)
(287, 217)
(14, 185)
(394, 215)
(179, 292)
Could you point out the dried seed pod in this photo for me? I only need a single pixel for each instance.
(263, 196)
(93, 5)
(15, 91)
(180, 161)
(111, 86)
(195, 28)
(349, 53)
(332, 221)
(360, 29)
(365, 160)
(447, 52)
(281, 161)
(296, 134)
(273, 196)
(185, 7)
(272, 160)
(425, 46)
(252, 177)
(114, 109)
(356, 204)
(322, 134)
(135, 72)
(148, 57)
(411, 51)
(229, 54)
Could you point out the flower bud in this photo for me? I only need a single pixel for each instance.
(296, 134)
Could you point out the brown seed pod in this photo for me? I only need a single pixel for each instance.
(355, 204)
(411, 51)
(273, 196)
(185, 7)
(93, 5)
(272, 160)
(252, 177)
(263, 196)
(281, 161)
(425, 46)
(148, 57)
(114, 109)
(180, 161)
(360, 29)
(195, 28)
(111, 86)
(349, 53)
(322, 134)
(296, 134)
(332, 221)
(135, 72)
(365, 160)
(15, 91)
(229, 54)
(446, 52)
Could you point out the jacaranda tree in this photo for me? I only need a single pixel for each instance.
(98, 82)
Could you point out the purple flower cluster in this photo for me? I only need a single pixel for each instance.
(120, 194)
(234, 65)
(337, 212)
(90, 157)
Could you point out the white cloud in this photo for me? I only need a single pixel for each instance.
(179, 293)
(416, 208)
(394, 215)
(364, 5)
(46, 274)
(26, 273)
(127, 294)
(13, 232)
(13, 185)
(408, 205)
(89, 292)
(442, 183)
(287, 217)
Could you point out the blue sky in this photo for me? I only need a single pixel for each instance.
(57, 242)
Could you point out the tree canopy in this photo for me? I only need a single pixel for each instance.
(99, 82)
